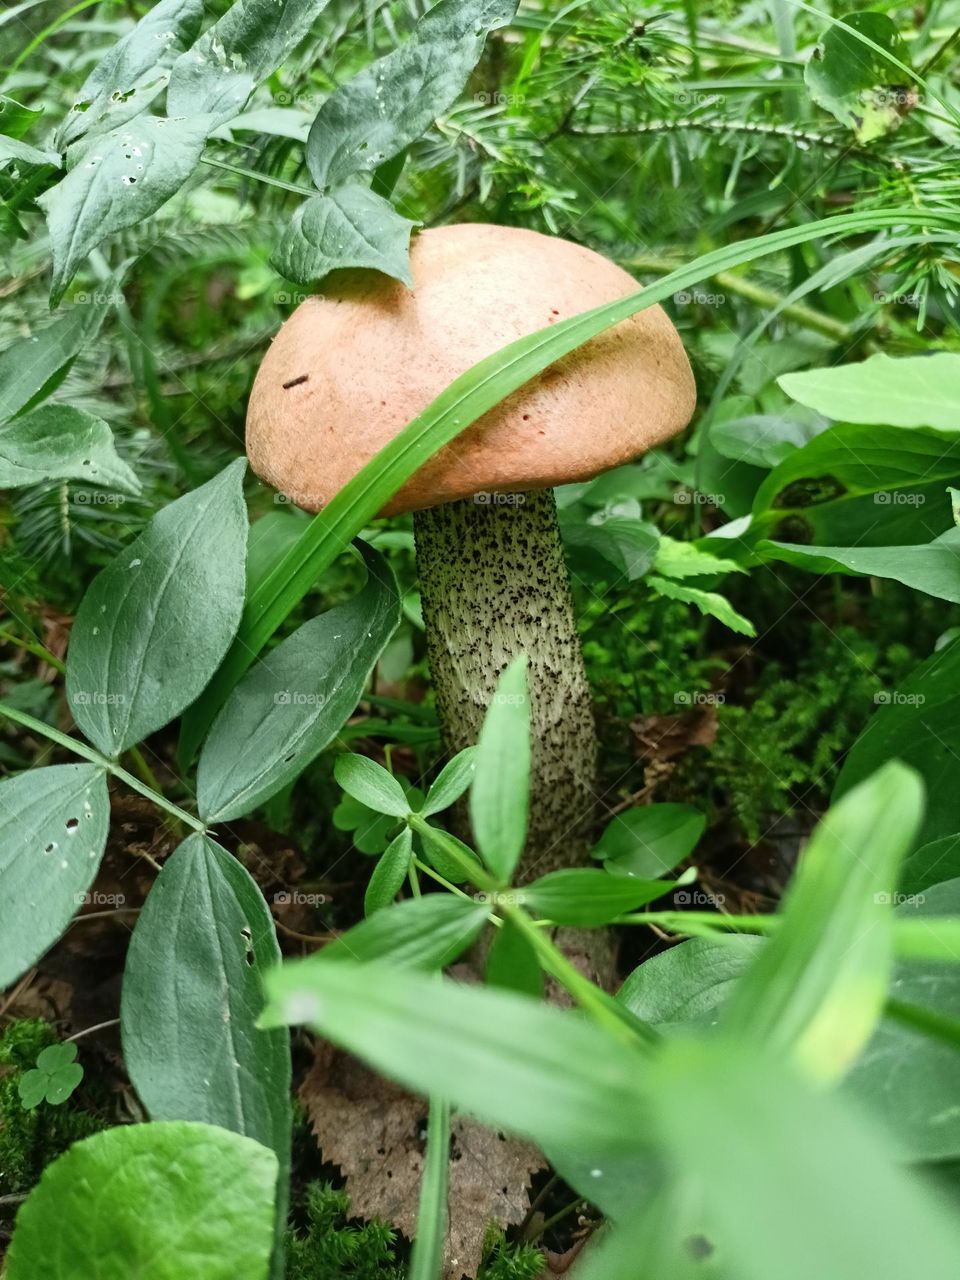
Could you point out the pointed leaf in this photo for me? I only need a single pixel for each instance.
(33, 366)
(350, 227)
(420, 933)
(885, 391)
(389, 873)
(451, 782)
(588, 897)
(499, 797)
(371, 784)
(57, 442)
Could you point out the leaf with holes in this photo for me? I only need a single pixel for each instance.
(350, 227)
(53, 824)
(855, 82)
(57, 442)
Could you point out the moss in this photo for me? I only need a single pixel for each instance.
(29, 1140)
(506, 1261)
(332, 1248)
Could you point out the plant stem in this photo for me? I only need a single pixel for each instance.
(111, 766)
(471, 868)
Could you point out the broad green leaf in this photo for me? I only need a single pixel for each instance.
(628, 545)
(512, 963)
(918, 722)
(440, 849)
(764, 440)
(650, 840)
(151, 1201)
(371, 784)
(467, 398)
(253, 39)
(503, 1058)
(931, 864)
(350, 227)
(293, 703)
(855, 484)
(932, 567)
(121, 178)
(57, 442)
(14, 149)
(419, 933)
(685, 560)
(710, 603)
(390, 103)
(153, 627)
(133, 72)
(451, 782)
(858, 85)
(885, 391)
(816, 990)
(192, 993)
(16, 119)
(909, 1081)
(427, 1258)
(32, 367)
(499, 796)
(690, 982)
(389, 874)
(752, 1137)
(53, 829)
(589, 897)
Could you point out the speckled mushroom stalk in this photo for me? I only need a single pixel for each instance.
(494, 584)
(350, 369)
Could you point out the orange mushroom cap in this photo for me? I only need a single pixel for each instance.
(349, 369)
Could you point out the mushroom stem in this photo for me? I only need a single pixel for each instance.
(494, 585)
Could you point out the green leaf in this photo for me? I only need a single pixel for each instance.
(918, 722)
(708, 602)
(499, 797)
(13, 149)
(350, 227)
(858, 85)
(932, 567)
(512, 963)
(859, 484)
(817, 988)
(420, 933)
(57, 442)
(153, 627)
(32, 1089)
(503, 1058)
(904, 391)
(154, 1201)
(192, 992)
(466, 399)
(390, 103)
(931, 864)
(16, 119)
(910, 1082)
(752, 1139)
(427, 1258)
(32, 367)
(650, 840)
(684, 560)
(294, 702)
(451, 782)
(764, 440)
(253, 39)
(389, 873)
(56, 1076)
(628, 545)
(590, 897)
(689, 983)
(121, 178)
(371, 784)
(133, 72)
(54, 824)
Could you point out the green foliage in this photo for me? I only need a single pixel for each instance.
(329, 1247)
(504, 1260)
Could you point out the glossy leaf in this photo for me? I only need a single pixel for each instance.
(650, 840)
(134, 71)
(153, 627)
(690, 982)
(122, 178)
(816, 990)
(192, 992)
(888, 391)
(420, 933)
(53, 830)
(155, 1201)
(57, 442)
(685, 560)
(918, 722)
(294, 702)
(32, 367)
(499, 797)
(590, 897)
(503, 1058)
(371, 784)
(390, 103)
(350, 227)
(451, 782)
(389, 874)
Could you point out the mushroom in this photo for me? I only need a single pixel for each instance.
(349, 369)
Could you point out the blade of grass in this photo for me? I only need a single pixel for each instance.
(426, 1262)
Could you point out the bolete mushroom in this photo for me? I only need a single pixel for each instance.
(349, 369)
